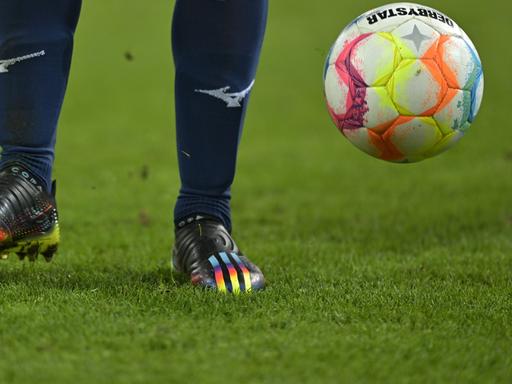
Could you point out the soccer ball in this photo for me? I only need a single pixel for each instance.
(403, 82)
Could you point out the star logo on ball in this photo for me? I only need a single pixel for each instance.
(416, 37)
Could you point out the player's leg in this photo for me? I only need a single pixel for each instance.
(36, 40)
(216, 48)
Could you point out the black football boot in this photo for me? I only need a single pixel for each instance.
(28, 215)
(207, 254)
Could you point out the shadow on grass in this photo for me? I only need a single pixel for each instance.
(89, 278)
(128, 289)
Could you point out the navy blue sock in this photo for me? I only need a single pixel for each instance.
(216, 46)
(38, 36)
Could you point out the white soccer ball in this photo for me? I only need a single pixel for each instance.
(403, 82)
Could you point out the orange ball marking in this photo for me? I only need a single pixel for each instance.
(386, 148)
(449, 75)
(439, 78)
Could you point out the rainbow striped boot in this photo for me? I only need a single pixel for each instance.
(206, 253)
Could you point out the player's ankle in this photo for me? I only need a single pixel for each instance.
(29, 173)
(33, 166)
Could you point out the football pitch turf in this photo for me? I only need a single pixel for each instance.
(376, 272)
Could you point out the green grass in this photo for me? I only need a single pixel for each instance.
(376, 272)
